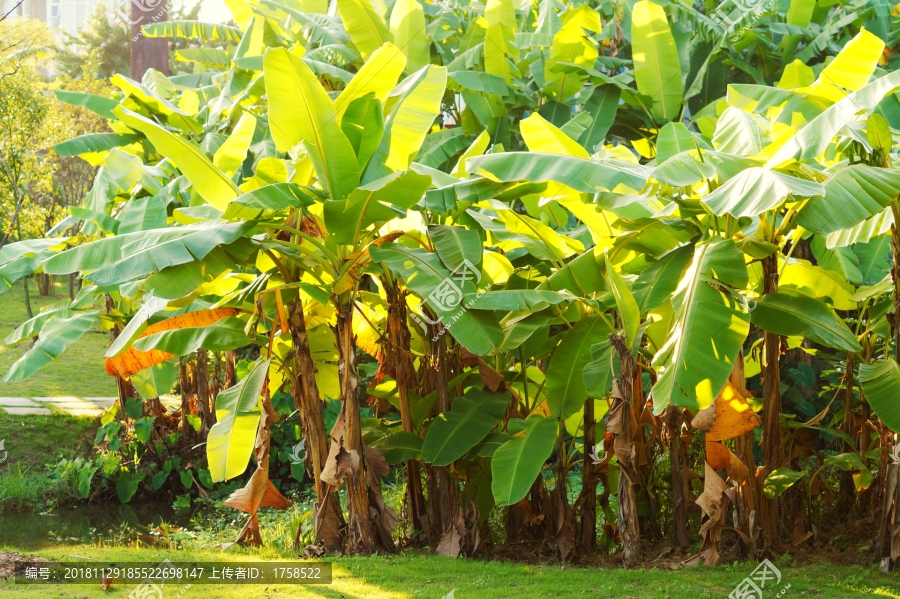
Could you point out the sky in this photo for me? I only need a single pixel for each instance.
(212, 11)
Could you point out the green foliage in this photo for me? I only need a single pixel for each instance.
(466, 202)
(99, 50)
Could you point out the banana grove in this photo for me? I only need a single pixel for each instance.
(623, 269)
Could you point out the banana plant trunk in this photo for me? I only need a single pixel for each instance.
(185, 384)
(677, 463)
(329, 520)
(771, 441)
(847, 489)
(563, 525)
(202, 379)
(629, 526)
(124, 389)
(230, 375)
(895, 275)
(749, 494)
(360, 539)
(448, 491)
(889, 538)
(398, 357)
(587, 501)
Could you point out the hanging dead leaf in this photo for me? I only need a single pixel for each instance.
(383, 516)
(524, 506)
(491, 379)
(624, 450)
(705, 418)
(733, 415)
(714, 503)
(131, 360)
(564, 541)
(710, 501)
(274, 498)
(615, 393)
(258, 492)
(737, 469)
(449, 543)
(330, 525)
(717, 454)
(338, 465)
(467, 358)
(376, 463)
(250, 533)
(614, 420)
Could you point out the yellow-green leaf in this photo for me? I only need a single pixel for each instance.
(212, 185)
(408, 29)
(409, 120)
(231, 439)
(542, 136)
(300, 110)
(378, 75)
(625, 304)
(231, 154)
(500, 40)
(364, 24)
(476, 149)
(851, 68)
(657, 70)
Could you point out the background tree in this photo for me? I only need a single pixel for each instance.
(102, 47)
(23, 108)
(99, 50)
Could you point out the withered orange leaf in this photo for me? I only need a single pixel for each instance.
(717, 455)
(734, 416)
(131, 360)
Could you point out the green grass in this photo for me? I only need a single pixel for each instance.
(31, 442)
(415, 575)
(34, 441)
(79, 371)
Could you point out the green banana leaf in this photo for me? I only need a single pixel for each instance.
(452, 434)
(796, 314)
(56, 335)
(880, 381)
(852, 195)
(566, 392)
(232, 438)
(516, 464)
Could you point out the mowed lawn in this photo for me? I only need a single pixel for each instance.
(79, 371)
(414, 575)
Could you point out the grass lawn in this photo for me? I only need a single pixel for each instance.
(79, 371)
(33, 441)
(413, 575)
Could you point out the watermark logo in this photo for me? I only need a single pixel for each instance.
(763, 579)
(729, 14)
(146, 590)
(449, 296)
(296, 457)
(148, 11)
(151, 590)
(594, 454)
(3, 452)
